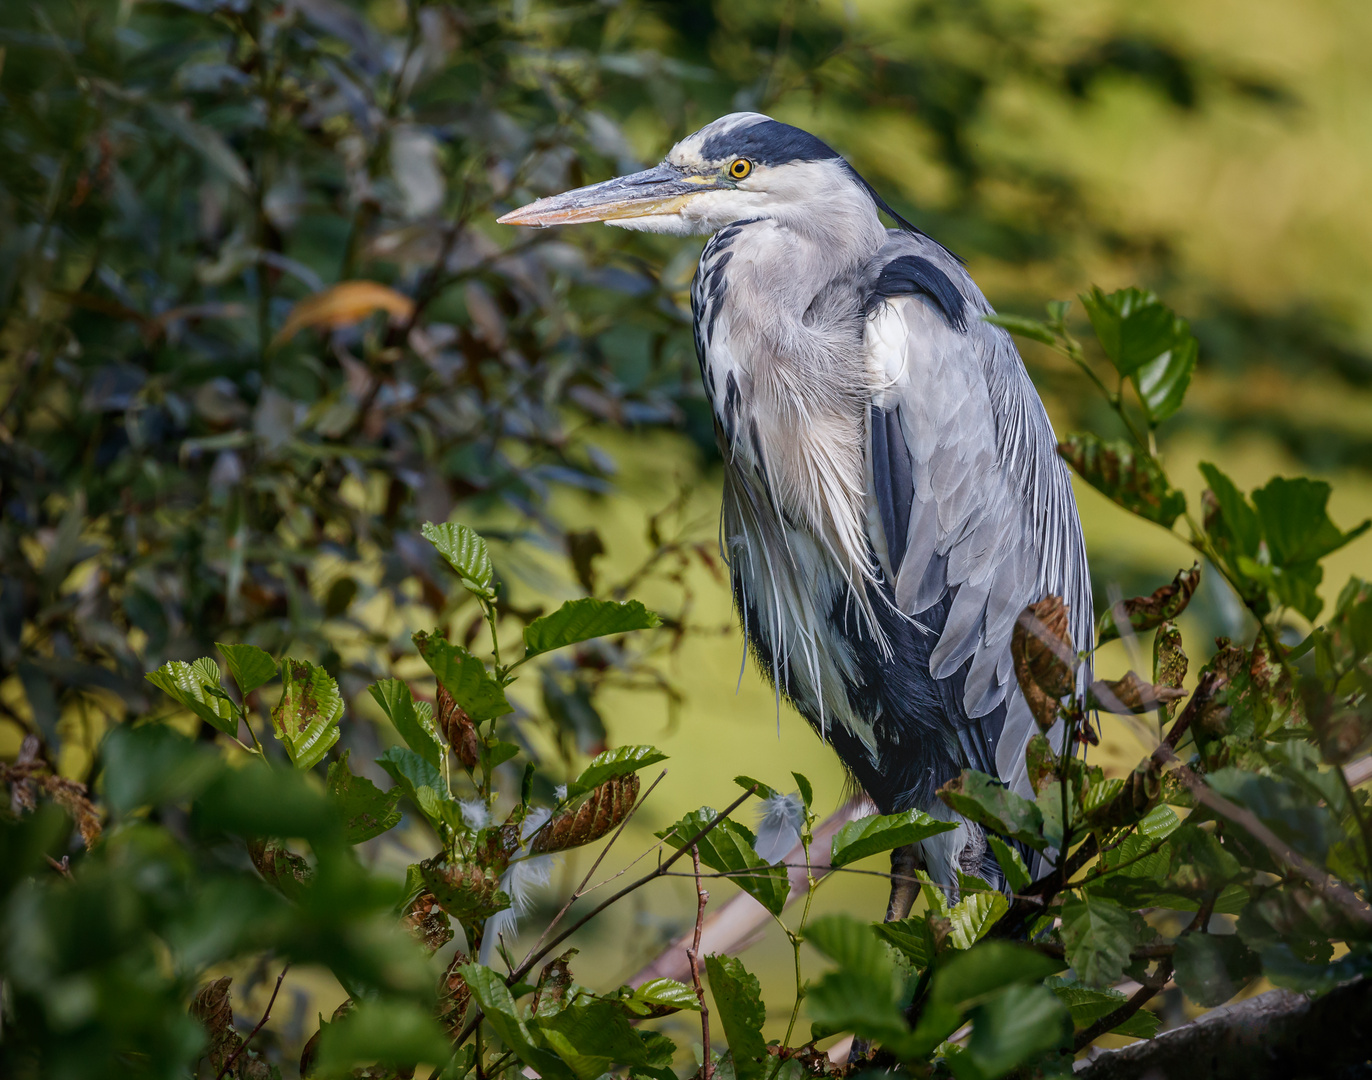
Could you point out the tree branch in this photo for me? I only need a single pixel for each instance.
(1280, 1035)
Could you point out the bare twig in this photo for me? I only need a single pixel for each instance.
(265, 1016)
(693, 954)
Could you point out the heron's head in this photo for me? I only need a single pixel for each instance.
(744, 165)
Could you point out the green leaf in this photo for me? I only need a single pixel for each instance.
(974, 915)
(490, 992)
(1013, 1026)
(864, 994)
(1131, 479)
(1295, 521)
(658, 997)
(466, 553)
(1161, 383)
(912, 937)
(882, 832)
(396, 1032)
(367, 810)
(187, 683)
(463, 676)
(1087, 1006)
(1098, 935)
(738, 1003)
(417, 729)
(1212, 968)
(1011, 863)
(468, 892)
(590, 1036)
(306, 718)
(988, 802)
(422, 784)
(764, 791)
(807, 793)
(1030, 328)
(728, 849)
(621, 761)
(581, 620)
(1133, 326)
(1238, 521)
(250, 666)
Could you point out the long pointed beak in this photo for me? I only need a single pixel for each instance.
(663, 189)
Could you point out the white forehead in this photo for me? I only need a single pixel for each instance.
(689, 153)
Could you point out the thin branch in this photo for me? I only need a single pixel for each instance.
(244, 1045)
(693, 955)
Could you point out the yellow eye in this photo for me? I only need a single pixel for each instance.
(740, 168)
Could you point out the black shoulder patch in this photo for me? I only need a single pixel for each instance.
(915, 274)
(768, 142)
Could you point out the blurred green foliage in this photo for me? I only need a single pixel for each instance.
(257, 327)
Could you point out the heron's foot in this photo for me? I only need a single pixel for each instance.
(904, 884)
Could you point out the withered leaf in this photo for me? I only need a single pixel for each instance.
(454, 995)
(468, 892)
(426, 920)
(1131, 695)
(458, 729)
(1169, 659)
(1045, 664)
(1146, 612)
(279, 865)
(606, 807)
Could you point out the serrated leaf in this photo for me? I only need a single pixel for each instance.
(1162, 382)
(763, 791)
(367, 810)
(620, 761)
(912, 936)
(1238, 521)
(250, 666)
(882, 832)
(1127, 477)
(186, 684)
(1013, 1026)
(490, 992)
(807, 792)
(466, 553)
(658, 997)
(305, 720)
(973, 915)
(463, 676)
(1133, 326)
(1212, 968)
(864, 994)
(729, 848)
(1098, 935)
(416, 728)
(1087, 1006)
(1030, 328)
(422, 784)
(988, 802)
(590, 1036)
(1011, 863)
(583, 619)
(738, 1003)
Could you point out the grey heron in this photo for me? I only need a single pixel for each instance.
(893, 498)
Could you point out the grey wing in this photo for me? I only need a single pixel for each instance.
(970, 507)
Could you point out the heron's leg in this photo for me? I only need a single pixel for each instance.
(904, 885)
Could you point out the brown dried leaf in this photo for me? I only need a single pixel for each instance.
(553, 985)
(458, 729)
(23, 795)
(428, 923)
(467, 891)
(1146, 612)
(1131, 695)
(605, 808)
(1045, 664)
(453, 996)
(75, 800)
(342, 305)
(212, 1007)
(1041, 761)
(1169, 659)
(280, 866)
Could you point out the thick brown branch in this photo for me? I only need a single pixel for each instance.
(1279, 1035)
